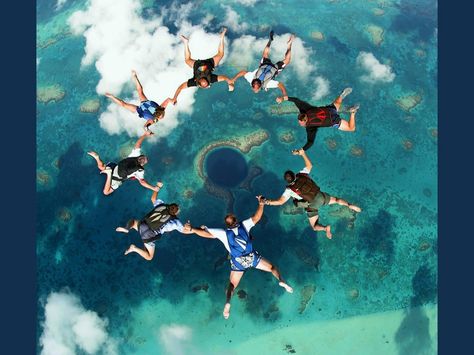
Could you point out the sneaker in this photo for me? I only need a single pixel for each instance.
(345, 92)
(271, 35)
(354, 108)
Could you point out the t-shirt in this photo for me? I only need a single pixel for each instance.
(290, 193)
(172, 224)
(140, 174)
(221, 234)
(272, 84)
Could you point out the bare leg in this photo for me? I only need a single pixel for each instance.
(266, 50)
(348, 126)
(128, 106)
(234, 280)
(108, 182)
(342, 202)
(338, 100)
(265, 265)
(139, 87)
(220, 51)
(100, 163)
(187, 53)
(146, 253)
(287, 59)
(126, 230)
(313, 221)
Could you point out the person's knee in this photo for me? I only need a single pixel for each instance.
(340, 201)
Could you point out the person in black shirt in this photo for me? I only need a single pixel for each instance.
(202, 69)
(314, 117)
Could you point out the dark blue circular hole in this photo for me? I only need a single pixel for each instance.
(226, 167)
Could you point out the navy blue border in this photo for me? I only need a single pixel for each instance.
(18, 208)
(456, 178)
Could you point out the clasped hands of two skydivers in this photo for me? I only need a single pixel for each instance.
(188, 227)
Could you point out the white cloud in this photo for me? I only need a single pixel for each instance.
(376, 71)
(246, 52)
(118, 40)
(232, 20)
(322, 88)
(59, 4)
(246, 2)
(176, 339)
(69, 328)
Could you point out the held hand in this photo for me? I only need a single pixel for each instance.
(173, 100)
(260, 199)
(159, 184)
(298, 151)
(148, 133)
(279, 99)
(188, 227)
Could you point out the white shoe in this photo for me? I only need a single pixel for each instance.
(345, 92)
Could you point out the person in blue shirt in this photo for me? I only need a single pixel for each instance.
(264, 76)
(149, 110)
(163, 218)
(238, 242)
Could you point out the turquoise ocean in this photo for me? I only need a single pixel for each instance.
(372, 289)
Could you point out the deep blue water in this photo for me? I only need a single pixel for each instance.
(226, 167)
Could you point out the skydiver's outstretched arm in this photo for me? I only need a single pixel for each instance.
(140, 140)
(259, 212)
(154, 195)
(178, 91)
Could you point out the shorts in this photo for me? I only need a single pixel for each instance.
(200, 62)
(146, 233)
(311, 208)
(244, 262)
(143, 110)
(279, 65)
(114, 184)
(334, 116)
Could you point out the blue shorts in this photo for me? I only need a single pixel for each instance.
(144, 109)
(244, 262)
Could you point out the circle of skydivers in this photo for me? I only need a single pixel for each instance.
(235, 236)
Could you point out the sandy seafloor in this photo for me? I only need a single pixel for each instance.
(372, 289)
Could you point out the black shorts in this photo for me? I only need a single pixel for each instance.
(200, 62)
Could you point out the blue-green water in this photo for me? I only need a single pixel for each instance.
(383, 261)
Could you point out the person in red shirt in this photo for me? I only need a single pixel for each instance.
(314, 117)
